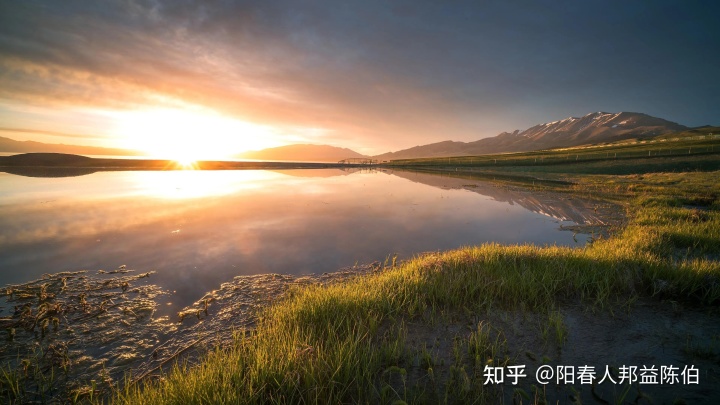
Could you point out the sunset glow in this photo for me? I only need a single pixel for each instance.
(211, 80)
(183, 184)
(189, 135)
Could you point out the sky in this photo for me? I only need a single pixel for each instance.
(218, 77)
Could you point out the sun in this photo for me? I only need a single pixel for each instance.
(186, 162)
(187, 136)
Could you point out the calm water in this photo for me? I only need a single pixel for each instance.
(199, 229)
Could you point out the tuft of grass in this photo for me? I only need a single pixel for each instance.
(487, 347)
(555, 327)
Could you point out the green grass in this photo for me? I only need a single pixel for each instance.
(350, 342)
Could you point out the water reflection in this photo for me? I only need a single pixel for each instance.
(554, 205)
(47, 172)
(199, 229)
(185, 184)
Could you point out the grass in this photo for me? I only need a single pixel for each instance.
(352, 342)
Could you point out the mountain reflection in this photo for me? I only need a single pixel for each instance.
(555, 205)
(47, 172)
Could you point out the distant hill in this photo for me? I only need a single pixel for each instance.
(597, 127)
(44, 159)
(302, 153)
(46, 165)
(11, 145)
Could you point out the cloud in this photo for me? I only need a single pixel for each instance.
(42, 132)
(371, 72)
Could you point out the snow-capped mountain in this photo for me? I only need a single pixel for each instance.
(592, 128)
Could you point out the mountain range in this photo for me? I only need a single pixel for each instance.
(593, 128)
(302, 153)
(599, 127)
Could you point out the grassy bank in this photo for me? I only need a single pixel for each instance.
(422, 331)
(680, 153)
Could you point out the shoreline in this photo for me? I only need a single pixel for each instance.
(78, 162)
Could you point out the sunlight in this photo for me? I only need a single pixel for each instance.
(182, 184)
(187, 162)
(190, 135)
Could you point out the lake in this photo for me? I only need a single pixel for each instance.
(198, 229)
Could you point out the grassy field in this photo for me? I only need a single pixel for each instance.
(423, 331)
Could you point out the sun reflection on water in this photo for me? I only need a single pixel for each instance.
(186, 184)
